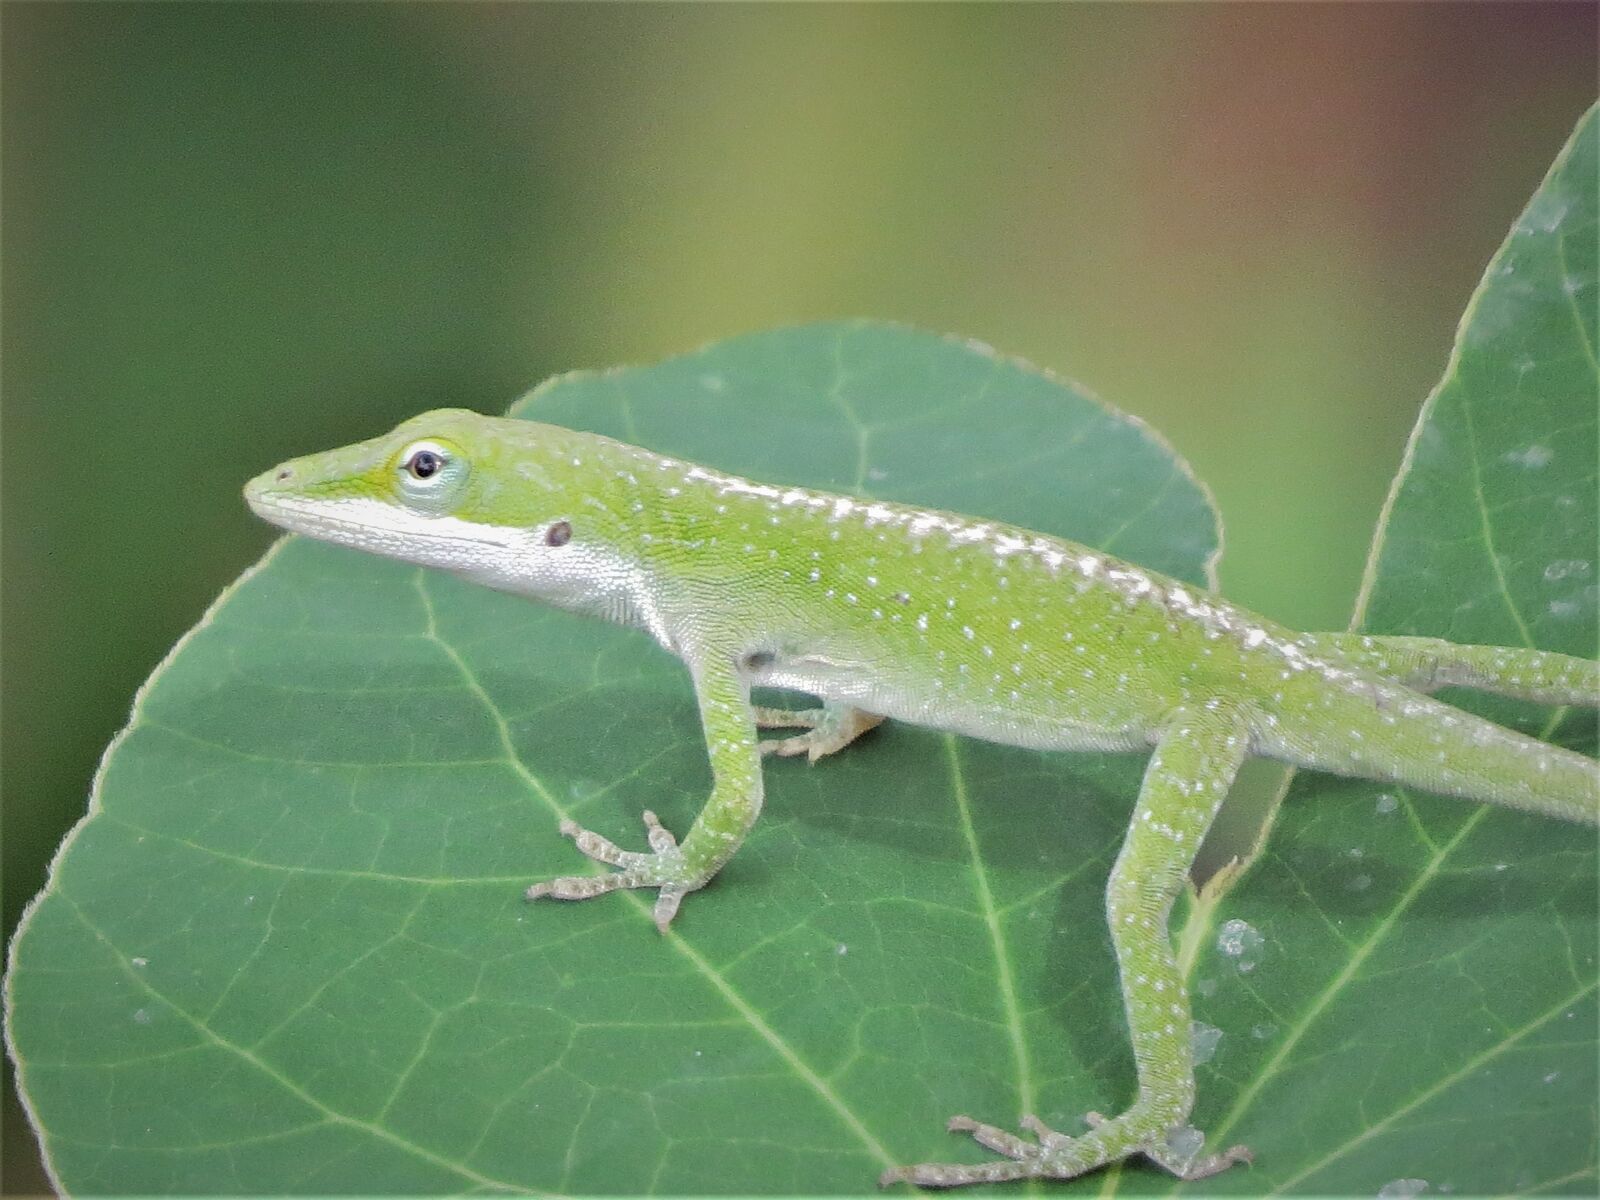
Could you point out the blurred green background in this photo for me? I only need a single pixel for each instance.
(236, 233)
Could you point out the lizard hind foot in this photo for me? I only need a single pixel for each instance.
(1021, 1158)
(829, 729)
(1055, 1155)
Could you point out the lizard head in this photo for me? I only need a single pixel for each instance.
(486, 497)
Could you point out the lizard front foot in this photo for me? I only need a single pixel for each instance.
(1055, 1155)
(663, 867)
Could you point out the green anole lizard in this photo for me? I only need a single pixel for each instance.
(888, 611)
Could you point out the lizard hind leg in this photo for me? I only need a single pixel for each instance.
(1189, 774)
(829, 729)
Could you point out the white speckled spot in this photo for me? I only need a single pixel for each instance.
(1399, 1189)
(1567, 568)
(1241, 941)
(1531, 457)
(1204, 1038)
(1185, 1141)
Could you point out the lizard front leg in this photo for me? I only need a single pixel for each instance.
(1188, 777)
(731, 810)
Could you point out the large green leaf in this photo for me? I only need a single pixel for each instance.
(286, 950)
(1422, 1000)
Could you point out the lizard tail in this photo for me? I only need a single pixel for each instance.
(1384, 731)
(1424, 664)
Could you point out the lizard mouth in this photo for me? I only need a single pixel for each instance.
(372, 525)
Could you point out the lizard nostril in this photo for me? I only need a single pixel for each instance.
(284, 474)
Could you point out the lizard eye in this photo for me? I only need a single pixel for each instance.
(424, 463)
(431, 474)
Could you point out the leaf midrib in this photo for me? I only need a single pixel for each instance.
(719, 983)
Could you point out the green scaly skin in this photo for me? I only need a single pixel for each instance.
(957, 623)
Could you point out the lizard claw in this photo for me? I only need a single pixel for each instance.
(1049, 1138)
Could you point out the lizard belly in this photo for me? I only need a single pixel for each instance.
(927, 700)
